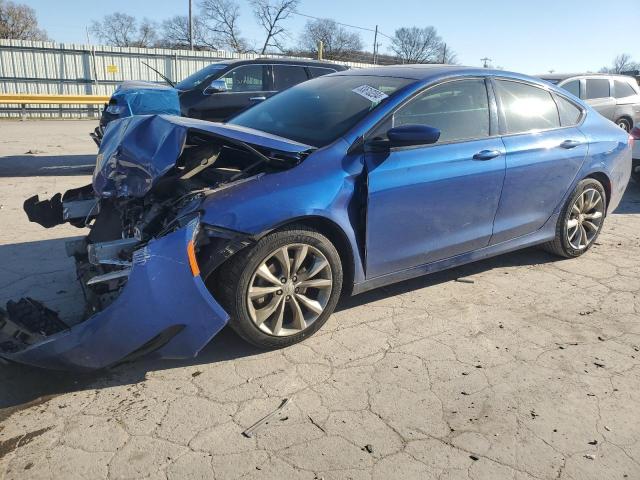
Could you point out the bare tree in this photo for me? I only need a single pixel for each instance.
(271, 14)
(221, 18)
(623, 63)
(19, 22)
(175, 34)
(417, 45)
(122, 30)
(338, 43)
(447, 55)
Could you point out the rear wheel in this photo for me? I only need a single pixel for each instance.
(283, 289)
(624, 124)
(580, 221)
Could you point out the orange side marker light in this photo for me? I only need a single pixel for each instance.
(193, 263)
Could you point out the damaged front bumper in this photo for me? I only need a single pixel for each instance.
(164, 307)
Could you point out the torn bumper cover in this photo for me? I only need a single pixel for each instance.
(164, 307)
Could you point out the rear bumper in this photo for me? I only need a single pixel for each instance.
(163, 307)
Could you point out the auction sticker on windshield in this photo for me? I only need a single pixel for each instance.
(372, 94)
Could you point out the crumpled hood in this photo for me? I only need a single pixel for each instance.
(137, 151)
(144, 98)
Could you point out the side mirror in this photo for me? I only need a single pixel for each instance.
(408, 135)
(216, 86)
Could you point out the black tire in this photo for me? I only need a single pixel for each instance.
(624, 124)
(560, 244)
(232, 280)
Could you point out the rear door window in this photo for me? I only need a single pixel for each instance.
(286, 76)
(573, 87)
(597, 88)
(319, 71)
(526, 108)
(460, 109)
(622, 89)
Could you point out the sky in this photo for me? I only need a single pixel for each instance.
(524, 36)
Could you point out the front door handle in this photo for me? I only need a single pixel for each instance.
(487, 154)
(257, 99)
(569, 144)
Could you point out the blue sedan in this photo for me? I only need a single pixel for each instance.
(336, 186)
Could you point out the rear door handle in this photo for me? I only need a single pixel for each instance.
(487, 154)
(569, 144)
(257, 99)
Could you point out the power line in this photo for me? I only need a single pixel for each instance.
(343, 24)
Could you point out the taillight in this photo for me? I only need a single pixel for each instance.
(635, 133)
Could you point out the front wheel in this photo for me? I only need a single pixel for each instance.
(283, 289)
(580, 220)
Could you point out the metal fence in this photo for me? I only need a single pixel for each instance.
(74, 69)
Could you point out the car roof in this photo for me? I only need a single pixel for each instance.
(564, 76)
(283, 61)
(427, 72)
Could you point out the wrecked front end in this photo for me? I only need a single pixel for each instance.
(145, 265)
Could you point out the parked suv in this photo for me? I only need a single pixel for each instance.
(616, 97)
(213, 93)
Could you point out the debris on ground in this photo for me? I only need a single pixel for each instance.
(607, 428)
(33, 151)
(599, 365)
(593, 442)
(590, 457)
(464, 280)
(533, 414)
(474, 458)
(249, 432)
(316, 424)
(368, 448)
(197, 373)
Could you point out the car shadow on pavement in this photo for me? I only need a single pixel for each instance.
(630, 200)
(46, 165)
(22, 386)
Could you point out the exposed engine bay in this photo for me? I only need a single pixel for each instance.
(137, 195)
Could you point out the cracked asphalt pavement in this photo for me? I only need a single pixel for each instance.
(524, 366)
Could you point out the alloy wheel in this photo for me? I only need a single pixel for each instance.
(585, 219)
(623, 124)
(289, 290)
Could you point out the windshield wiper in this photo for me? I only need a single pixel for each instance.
(161, 75)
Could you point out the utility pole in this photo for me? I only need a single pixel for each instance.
(191, 24)
(375, 46)
(444, 53)
(485, 62)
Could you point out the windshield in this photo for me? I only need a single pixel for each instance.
(200, 76)
(319, 111)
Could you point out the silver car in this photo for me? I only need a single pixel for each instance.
(616, 97)
(635, 169)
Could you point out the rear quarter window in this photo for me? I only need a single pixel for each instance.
(569, 113)
(623, 89)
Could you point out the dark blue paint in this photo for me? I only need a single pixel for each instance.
(429, 203)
